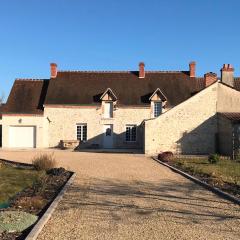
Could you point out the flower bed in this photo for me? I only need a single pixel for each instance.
(224, 174)
(33, 198)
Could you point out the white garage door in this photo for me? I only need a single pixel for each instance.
(22, 137)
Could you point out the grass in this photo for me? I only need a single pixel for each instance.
(14, 180)
(226, 171)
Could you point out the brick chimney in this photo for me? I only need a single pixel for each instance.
(53, 70)
(227, 75)
(209, 78)
(141, 70)
(192, 69)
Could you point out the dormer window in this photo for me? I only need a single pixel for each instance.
(158, 102)
(108, 99)
(108, 109)
(157, 108)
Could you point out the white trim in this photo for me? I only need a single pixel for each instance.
(130, 125)
(81, 125)
(108, 90)
(158, 90)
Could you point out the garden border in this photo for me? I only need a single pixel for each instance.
(215, 190)
(46, 216)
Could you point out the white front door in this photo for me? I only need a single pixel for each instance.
(22, 137)
(108, 136)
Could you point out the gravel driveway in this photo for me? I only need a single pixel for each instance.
(124, 196)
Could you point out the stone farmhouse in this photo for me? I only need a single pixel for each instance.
(149, 110)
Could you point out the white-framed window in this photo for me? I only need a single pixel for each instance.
(157, 108)
(82, 132)
(131, 133)
(108, 109)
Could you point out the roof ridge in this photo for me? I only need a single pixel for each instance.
(92, 71)
(113, 71)
(30, 79)
(165, 71)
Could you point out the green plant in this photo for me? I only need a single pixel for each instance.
(237, 156)
(14, 180)
(213, 158)
(16, 221)
(44, 162)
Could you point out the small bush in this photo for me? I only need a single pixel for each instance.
(165, 156)
(40, 185)
(44, 162)
(213, 158)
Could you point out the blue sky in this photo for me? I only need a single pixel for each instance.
(116, 35)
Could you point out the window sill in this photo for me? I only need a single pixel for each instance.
(107, 118)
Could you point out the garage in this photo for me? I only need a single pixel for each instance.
(22, 136)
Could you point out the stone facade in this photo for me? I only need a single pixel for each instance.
(228, 99)
(64, 120)
(188, 128)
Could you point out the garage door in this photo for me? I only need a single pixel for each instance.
(22, 137)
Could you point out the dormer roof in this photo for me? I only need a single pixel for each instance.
(158, 93)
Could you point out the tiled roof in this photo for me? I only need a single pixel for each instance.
(81, 87)
(198, 84)
(27, 96)
(237, 83)
(86, 87)
(233, 116)
(1, 109)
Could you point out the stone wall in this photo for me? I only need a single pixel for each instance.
(63, 121)
(189, 128)
(225, 136)
(228, 99)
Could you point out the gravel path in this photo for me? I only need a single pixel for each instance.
(123, 196)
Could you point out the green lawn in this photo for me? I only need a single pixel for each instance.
(14, 180)
(227, 171)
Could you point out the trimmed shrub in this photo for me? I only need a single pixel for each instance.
(165, 156)
(44, 162)
(213, 158)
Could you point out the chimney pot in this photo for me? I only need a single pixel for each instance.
(53, 70)
(192, 69)
(141, 70)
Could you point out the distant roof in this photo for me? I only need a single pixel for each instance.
(237, 83)
(27, 96)
(1, 109)
(232, 116)
(198, 84)
(86, 87)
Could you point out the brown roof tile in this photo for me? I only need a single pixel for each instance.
(233, 116)
(27, 96)
(237, 83)
(1, 109)
(82, 87)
